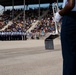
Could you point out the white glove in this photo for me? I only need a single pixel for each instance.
(57, 17)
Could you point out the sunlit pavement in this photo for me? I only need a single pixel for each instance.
(30, 58)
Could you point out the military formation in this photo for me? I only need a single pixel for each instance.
(12, 36)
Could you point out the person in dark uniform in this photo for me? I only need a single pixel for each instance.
(68, 36)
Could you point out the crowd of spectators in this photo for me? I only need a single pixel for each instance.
(7, 16)
(45, 25)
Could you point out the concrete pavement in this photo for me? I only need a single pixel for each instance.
(30, 58)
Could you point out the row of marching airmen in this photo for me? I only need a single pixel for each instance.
(12, 36)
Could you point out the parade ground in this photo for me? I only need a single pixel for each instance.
(30, 57)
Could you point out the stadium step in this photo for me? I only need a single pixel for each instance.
(9, 24)
(35, 24)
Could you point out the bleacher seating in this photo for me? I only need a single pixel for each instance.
(39, 26)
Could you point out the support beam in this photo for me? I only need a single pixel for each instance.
(39, 8)
(26, 7)
(24, 14)
(4, 8)
(57, 5)
(12, 9)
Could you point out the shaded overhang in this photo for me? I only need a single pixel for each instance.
(27, 2)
